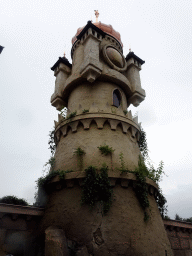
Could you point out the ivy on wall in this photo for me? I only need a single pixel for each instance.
(96, 186)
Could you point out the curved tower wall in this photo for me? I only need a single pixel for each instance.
(94, 118)
(98, 70)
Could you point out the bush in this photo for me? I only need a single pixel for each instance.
(106, 150)
(13, 200)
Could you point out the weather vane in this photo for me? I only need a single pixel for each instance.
(96, 14)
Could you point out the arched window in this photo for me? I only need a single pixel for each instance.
(116, 98)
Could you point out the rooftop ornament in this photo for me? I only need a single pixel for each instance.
(97, 15)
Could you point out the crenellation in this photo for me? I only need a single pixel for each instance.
(135, 119)
(130, 115)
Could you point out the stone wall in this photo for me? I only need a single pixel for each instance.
(19, 230)
(19, 235)
(180, 237)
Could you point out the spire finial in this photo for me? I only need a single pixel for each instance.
(64, 54)
(96, 14)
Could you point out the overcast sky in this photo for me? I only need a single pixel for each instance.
(35, 33)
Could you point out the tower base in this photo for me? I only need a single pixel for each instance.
(75, 228)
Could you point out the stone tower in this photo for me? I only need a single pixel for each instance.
(97, 88)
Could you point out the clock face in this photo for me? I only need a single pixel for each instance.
(115, 57)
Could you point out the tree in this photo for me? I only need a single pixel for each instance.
(177, 217)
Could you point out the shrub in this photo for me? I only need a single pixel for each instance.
(72, 115)
(13, 200)
(85, 111)
(106, 150)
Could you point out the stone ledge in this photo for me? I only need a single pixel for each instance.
(19, 209)
(125, 180)
(178, 226)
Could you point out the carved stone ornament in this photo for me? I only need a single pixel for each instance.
(114, 58)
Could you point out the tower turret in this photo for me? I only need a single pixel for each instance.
(97, 88)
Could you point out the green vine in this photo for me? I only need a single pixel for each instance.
(143, 144)
(96, 188)
(122, 168)
(125, 112)
(42, 182)
(79, 152)
(51, 163)
(106, 150)
(51, 142)
(141, 189)
(85, 111)
(71, 115)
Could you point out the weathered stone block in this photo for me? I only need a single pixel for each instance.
(55, 242)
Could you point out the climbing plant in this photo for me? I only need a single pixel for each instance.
(143, 144)
(71, 115)
(96, 188)
(146, 169)
(79, 152)
(51, 142)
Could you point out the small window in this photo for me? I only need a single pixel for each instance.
(116, 98)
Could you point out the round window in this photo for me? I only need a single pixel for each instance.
(115, 57)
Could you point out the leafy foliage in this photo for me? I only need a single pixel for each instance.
(85, 111)
(51, 142)
(141, 172)
(125, 112)
(72, 115)
(123, 169)
(106, 150)
(40, 195)
(177, 217)
(13, 200)
(96, 187)
(141, 189)
(161, 202)
(143, 144)
(43, 181)
(51, 163)
(79, 152)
